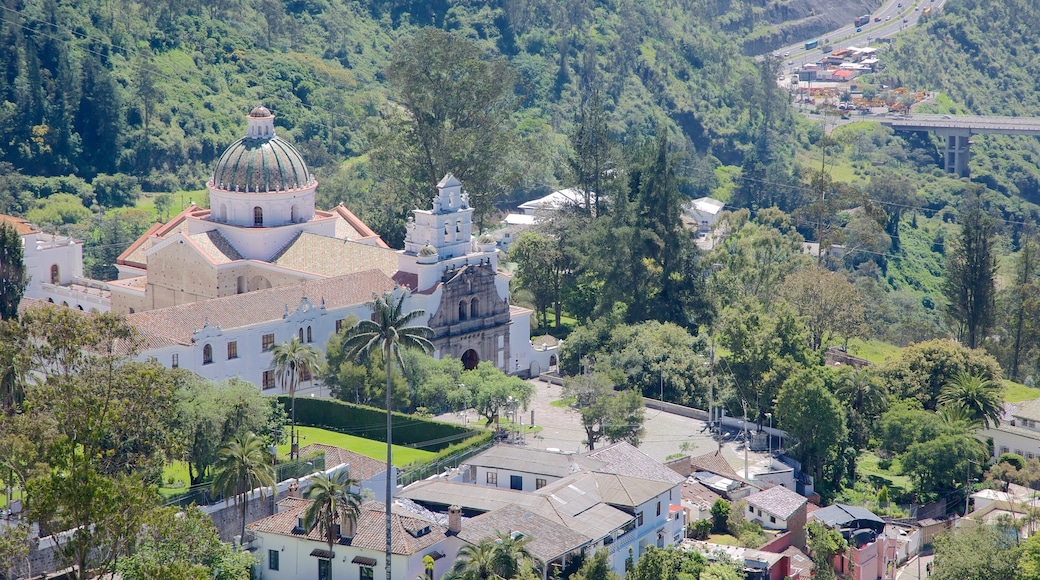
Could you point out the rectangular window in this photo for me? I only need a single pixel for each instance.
(515, 482)
(232, 349)
(175, 362)
(538, 484)
(267, 342)
(305, 375)
(324, 569)
(268, 380)
(367, 573)
(339, 328)
(639, 519)
(772, 519)
(750, 510)
(272, 559)
(492, 479)
(1003, 448)
(658, 508)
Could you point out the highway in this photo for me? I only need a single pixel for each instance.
(895, 15)
(968, 124)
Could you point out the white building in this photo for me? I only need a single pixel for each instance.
(1018, 431)
(288, 551)
(702, 212)
(616, 498)
(54, 266)
(213, 290)
(777, 508)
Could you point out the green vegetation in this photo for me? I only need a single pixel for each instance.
(368, 447)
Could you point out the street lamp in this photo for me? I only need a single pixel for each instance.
(769, 434)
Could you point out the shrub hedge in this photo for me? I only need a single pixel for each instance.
(370, 423)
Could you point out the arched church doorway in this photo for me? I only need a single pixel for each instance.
(470, 359)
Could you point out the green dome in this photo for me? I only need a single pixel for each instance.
(261, 165)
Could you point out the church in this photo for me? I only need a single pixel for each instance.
(214, 290)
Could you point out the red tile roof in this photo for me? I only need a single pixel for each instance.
(178, 323)
(361, 467)
(370, 532)
(19, 224)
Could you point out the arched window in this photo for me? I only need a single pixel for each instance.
(222, 214)
(301, 333)
(55, 274)
(207, 354)
(458, 230)
(258, 216)
(447, 234)
(310, 337)
(474, 308)
(80, 306)
(292, 214)
(462, 310)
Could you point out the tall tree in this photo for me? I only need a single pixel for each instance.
(970, 269)
(13, 277)
(593, 154)
(334, 502)
(807, 410)
(604, 412)
(243, 464)
(824, 544)
(1019, 298)
(460, 102)
(976, 552)
(390, 331)
(828, 304)
(540, 271)
(294, 360)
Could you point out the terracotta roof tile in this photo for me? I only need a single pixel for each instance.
(20, 225)
(178, 323)
(361, 467)
(715, 463)
(370, 532)
(216, 247)
(548, 539)
(328, 256)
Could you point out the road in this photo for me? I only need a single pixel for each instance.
(892, 14)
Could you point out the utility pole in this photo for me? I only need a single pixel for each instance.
(743, 404)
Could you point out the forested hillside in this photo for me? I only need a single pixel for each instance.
(155, 90)
(982, 54)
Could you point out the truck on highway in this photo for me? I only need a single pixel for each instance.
(812, 44)
(863, 20)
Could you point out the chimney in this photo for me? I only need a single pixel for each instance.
(294, 489)
(454, 520)
(349, 528)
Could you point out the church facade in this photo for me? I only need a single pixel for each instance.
(214, 289)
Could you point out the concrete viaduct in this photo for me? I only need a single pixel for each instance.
(958, 130)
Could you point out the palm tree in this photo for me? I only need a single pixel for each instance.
(242, 465)
(390, 331)
(958, 419)
(511, 553)
(863, 391)
(981, 397)
(334, 500)
(476, 562)
(292, 359)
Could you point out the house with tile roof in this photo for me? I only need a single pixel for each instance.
(213, 289)
(1018, 431)
(779, 508)
(369, 473)
(286, 550)
(616, 498)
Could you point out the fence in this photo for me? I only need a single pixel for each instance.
(439, 465)
(202, 493)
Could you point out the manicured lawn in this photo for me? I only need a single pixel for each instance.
(873, 350)
(367, 447)
(1017, 392)
(868, 465)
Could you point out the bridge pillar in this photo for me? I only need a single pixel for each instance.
(958, 153)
